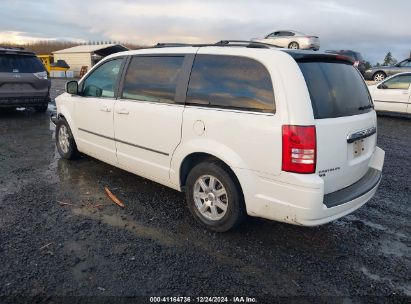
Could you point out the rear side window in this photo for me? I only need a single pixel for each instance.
(336, 89)
(231, 82)
(12, 63)
(152, 78)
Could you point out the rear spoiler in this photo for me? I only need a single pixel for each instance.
(300, 56)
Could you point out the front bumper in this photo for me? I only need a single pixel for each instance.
(54, 119)
(305, 203)
(368, 75)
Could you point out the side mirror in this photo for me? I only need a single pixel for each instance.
(72, 87)
(382, 86)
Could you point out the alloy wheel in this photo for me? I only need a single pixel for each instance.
(293, 45)
(210, 197)
(379, 77)
(64, 142)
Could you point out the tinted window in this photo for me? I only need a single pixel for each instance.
(350, 54)
(229, 81)
(405, 64)
(152, 78)
(20, 64)
(103, 80)
(359, 56)
(401, 82)
(336, 89)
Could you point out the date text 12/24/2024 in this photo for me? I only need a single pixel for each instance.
(239, 299)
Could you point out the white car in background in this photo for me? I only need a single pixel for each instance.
(393, 94)
(291, 40)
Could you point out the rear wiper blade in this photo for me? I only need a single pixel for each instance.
(366, 107)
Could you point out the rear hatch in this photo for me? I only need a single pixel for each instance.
(344, 118)
(22, 75)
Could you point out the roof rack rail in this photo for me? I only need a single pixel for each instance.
(170, 44)
(246, 43)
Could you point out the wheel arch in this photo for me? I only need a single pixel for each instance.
(195, 158)
(293, 41)
(379, 71)
(65, 113)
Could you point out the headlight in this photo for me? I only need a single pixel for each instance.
(41, 75)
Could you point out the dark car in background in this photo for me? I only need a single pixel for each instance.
(356, 57)
(23, 80)
(379, 73)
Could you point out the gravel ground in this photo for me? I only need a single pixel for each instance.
(88, 246)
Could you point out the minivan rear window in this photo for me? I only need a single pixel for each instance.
(336, 89)
(12, 63)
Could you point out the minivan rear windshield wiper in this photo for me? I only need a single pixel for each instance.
(366, 107)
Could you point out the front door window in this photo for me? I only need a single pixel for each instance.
(102, 82)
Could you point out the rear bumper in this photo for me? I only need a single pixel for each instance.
(305, 203)
(310, 45)
(24, 101)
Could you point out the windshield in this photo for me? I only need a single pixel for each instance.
(20, 64)
(336, 89)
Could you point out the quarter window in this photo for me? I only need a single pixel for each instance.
(230, 82)
(103, 80)
(152, 78)
(401, 82)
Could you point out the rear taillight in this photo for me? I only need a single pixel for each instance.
(41, 75)
(299, 149)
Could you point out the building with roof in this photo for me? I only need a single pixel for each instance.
(86, 55)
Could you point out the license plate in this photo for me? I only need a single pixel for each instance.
(358, 147)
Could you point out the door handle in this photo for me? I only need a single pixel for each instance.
(122, 111)
(105, 109)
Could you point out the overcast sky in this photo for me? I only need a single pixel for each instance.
(372, 27)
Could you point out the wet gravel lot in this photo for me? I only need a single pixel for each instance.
(60, 234)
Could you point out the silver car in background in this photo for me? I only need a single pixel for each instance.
(379, 73)
(291, 39)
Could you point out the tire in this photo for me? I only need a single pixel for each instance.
(379, 76)
(206, 205)
(65, 143)
(42, 108)
(294, 45)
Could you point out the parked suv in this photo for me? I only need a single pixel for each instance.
(285, 135)
(356, 57)
(23, 80)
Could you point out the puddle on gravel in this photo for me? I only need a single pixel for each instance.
(375, 277)
(396, 248)
(158, 235)
(352, 219)
(130, 225)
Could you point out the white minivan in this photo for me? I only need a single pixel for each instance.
(242, 128)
